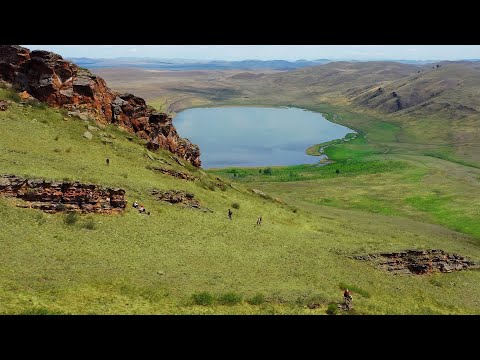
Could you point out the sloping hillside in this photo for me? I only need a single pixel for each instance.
(450, 91)
(71, 241)
(180, 257)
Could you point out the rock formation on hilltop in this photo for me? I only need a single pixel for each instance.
(60, 83)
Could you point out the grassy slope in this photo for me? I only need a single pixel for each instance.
(47, 266)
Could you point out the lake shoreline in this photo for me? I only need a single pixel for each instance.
(256, 137)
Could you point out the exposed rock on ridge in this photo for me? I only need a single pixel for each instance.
(60, 83)
(57, 196)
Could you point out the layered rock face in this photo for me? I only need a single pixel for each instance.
(57, 196)
(60, 83)
(420, 262)
(176, 197)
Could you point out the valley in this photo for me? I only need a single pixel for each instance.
(409, 180)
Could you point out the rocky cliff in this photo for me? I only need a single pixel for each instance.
(60, 83)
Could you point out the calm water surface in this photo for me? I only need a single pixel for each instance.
(256, 136)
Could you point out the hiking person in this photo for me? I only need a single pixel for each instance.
(108, 162)
(259, 221)
(347, 295)
(141, 209)
(230, 214)
(135, 205)
(347, 303)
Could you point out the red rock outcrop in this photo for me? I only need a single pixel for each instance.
(60, 83)
(176, 197)
(419, 262)
(57, 196)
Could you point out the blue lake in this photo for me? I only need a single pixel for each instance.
(255, 136)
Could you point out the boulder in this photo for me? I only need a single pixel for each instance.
(24, 96)
(88, 135)
(84, 116)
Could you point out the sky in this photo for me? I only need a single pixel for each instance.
(269, 52)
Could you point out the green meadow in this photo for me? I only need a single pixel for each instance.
(186, 261)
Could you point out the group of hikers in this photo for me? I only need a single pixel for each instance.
(259, 219)
(141, 209)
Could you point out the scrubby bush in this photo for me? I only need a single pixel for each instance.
(203, 298)
(89, 224)
(332, 309)
(38, 105)
(256, 299)
(71, 218)
(230, 299)
(14, 96)
(41, 311)
(267, 171)
(236, 205)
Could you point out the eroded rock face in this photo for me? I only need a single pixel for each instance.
(174, 173)
(60, 83)
(176, 197)
(58, 196)
(419, 262)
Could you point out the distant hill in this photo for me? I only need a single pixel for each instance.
(448, 88)
(178, 64)
(189, 64)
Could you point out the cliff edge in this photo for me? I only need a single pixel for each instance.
(60, 83)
